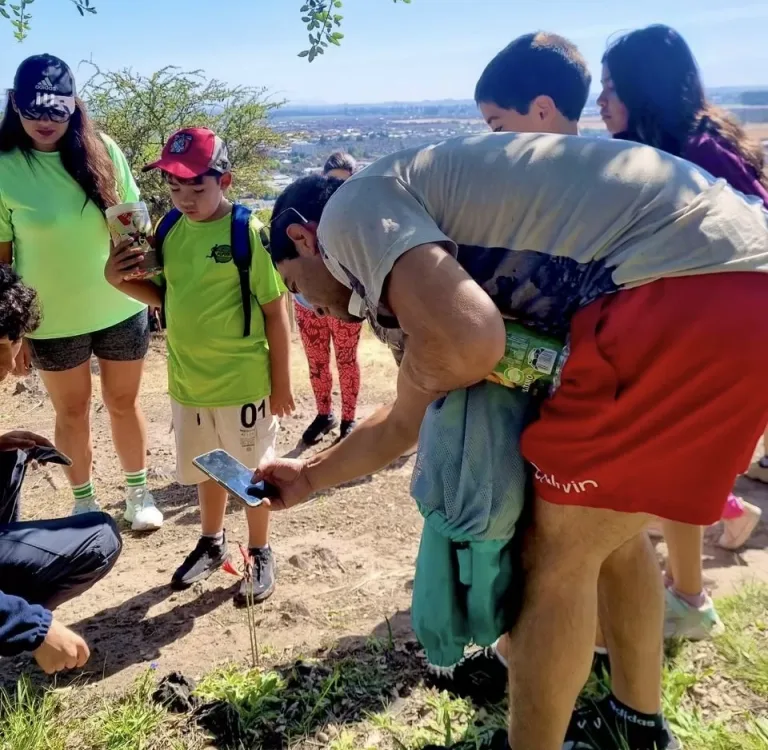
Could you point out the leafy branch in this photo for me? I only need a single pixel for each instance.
(323, 23)
(19, 15)
(142, 111)
(320, 16)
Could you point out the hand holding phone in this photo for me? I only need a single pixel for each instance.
(235, 478)
(263, 490)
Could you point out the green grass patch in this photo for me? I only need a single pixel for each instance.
(32, 720)
(371, 698)
(130, 723)
(743, 648)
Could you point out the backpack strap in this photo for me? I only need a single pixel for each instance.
(241, 255)
(162, 231)
(167, 223)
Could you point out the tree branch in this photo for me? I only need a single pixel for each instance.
(319, 15)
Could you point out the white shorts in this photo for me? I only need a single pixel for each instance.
(246, 432)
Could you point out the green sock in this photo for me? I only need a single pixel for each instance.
(84, 491)
(136, 479)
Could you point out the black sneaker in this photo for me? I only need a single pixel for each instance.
(201, 563)
(263, 579)
(320, 427)
(598, 726)
(482, 677)
(347, 425)
(479, 676)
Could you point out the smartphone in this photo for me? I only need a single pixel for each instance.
(45, 455)
(235, 478)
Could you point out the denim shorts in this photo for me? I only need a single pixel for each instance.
(124, 342)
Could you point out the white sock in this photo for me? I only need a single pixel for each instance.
(218, 537)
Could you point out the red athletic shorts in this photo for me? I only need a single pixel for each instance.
(662, 401)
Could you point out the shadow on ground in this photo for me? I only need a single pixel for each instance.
(341, 685)
(122, 636)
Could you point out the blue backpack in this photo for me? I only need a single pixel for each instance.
(241, 251)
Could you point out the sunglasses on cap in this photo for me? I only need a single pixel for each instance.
(264, 234)
(58, 109)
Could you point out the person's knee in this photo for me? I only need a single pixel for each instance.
(105, 545)
(628, 554)
(110, 539)
(74, 411)
(120, 404)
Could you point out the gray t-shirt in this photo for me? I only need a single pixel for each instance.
(544, 223)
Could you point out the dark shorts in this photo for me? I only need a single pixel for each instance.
(124, 342)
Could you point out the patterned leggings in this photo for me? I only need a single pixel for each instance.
(316, 334)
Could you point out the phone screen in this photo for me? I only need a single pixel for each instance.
(230, 474)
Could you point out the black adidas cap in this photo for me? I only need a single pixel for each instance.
(44, 82)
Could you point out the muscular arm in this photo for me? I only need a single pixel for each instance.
(455, 338)
(6, 252)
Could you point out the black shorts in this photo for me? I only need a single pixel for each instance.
(124, 342)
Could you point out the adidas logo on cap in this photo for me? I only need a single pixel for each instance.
(45, 85)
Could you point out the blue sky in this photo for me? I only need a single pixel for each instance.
(431, 49)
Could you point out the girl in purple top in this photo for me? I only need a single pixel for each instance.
(653, 94)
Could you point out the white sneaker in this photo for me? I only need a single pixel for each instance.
(736, 531)
(87, 505)
(141, 511)
(759, 470)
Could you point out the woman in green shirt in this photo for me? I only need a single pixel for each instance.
(57, 178)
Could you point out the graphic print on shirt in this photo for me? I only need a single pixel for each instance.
(540, 290)
(221, 253)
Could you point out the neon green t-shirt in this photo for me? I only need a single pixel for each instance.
(210, 363)
(61, 244)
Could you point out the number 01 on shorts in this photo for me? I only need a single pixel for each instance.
(246, 432)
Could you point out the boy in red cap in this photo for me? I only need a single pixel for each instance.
(227, 388)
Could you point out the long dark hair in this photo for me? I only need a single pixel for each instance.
(82, 151)
(656, 77)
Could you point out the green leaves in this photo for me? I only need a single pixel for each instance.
(322, 25)
(19, 15)
(317, 15)
(141, 112)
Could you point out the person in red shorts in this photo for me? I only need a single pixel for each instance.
(317, 332)
(653, 271)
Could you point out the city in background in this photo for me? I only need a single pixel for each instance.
(370, 131)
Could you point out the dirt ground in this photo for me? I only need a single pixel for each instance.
(345, 561)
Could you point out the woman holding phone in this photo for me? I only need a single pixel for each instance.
(57, 178)
(653, 94)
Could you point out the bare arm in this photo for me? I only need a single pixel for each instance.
(455, 338)
(6, 252)
(144, 291)
(278, 330)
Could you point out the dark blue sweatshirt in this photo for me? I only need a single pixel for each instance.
(23, 626)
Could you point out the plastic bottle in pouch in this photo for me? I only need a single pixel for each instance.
(531, 360)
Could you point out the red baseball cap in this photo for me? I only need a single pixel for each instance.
(191, 153)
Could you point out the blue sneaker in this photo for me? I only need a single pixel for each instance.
(683, 620)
